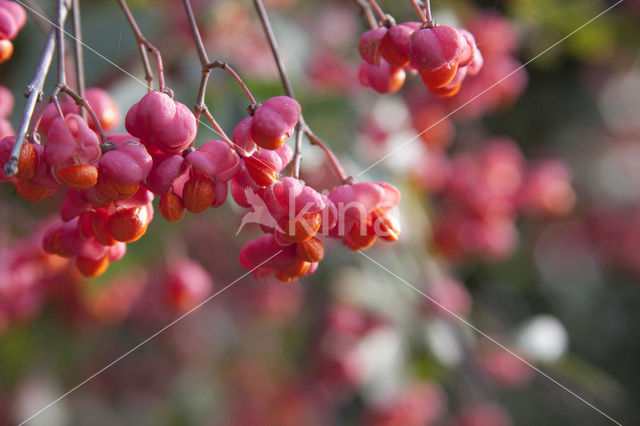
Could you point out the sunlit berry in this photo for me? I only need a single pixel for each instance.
(92, 267)
(171, 207)
(198, 194)
(311, 250)
(129, 224)
(80, 176)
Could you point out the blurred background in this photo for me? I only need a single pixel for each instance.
(520, 215)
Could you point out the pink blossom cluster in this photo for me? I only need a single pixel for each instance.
(481, 192)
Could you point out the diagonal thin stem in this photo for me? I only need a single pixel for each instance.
(207, 66)
(418, 10)
(333, 160)
(82, 102)
(61, 16)
(78, 53)
(368, 13)
(302, 126)
(34, 9)
(145, 47)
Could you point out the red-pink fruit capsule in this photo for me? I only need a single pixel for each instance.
(457, 80)
(187, 284)
(242, 139)
(382, 78)
(369, 44)
(432, 48)
(17, 11)
(476, 64)
(162, 122)
(117, 251)
(274, 121)
(6, 102)
(394, 46)
(468, 50)
(123, 169)
(165, 170)
(6, 128)
(70, 141)
(8, 24)
(105, 108)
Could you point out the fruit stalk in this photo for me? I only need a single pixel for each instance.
(61, 12)
(33, 93)
(145, 47)
(376, 7)
(419, 11)
(302, 126)
(368, 13)
(77, 51)
(207, 66)
(286, 83)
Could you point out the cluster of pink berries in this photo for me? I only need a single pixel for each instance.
(355, 213)
(442, 55)
(111, 186)
(481, 193)
(12, 19)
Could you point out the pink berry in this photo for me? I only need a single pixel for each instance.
(369, 45)
(382, 78)
(274, 121)
(433, 48)
(394, 46)
(187, 284)
(161, 122)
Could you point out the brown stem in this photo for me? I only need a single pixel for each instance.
(335, 163)
(37, 13)
(61, 16)
(145, 46)
(333, 160)
(286, 83)
(217, 127)
(273, 44)
(427, 13)
(78, 54)
(207, 66)
(82, 102)
(297, 157)
(236, 77)
(376, 7)
(368, 13)
(33, 93)
(418, 10)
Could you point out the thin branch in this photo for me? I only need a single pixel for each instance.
(207, 66)
(418, 10)
(271, 38)
(286, 83)
(217, 127)
(368, 13)
(333, 160)
(145, 46)
(77, 50)
(33, 93)
(297, 157)
(427, 13)
(236, 77)
(61, 16)
(376, 7)
(82, 102)
(37, 14)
